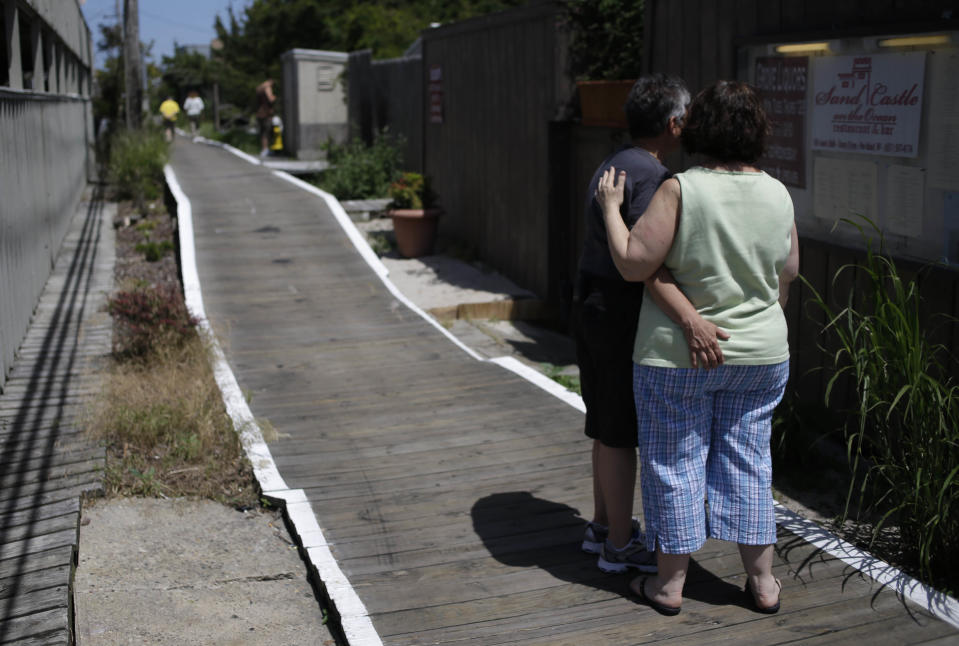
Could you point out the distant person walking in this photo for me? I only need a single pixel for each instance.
(265, 98)
(193, 106)
(170, 110)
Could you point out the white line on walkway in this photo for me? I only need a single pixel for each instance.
(354, 617)
(937, 603)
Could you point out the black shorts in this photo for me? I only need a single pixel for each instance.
(264, 126)
(604, 327)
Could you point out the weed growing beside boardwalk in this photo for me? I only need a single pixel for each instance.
(160, 413)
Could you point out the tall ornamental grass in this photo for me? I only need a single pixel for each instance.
(902, 437)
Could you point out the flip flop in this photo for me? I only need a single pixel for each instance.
(766, 610)
(640, 597)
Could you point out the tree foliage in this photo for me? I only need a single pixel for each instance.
(254, 39)
(606, 38)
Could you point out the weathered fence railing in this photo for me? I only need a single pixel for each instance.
(46, 132)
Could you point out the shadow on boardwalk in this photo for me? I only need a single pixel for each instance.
(46, 464)
(451, 492)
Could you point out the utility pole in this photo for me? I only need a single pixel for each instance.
(132, 63)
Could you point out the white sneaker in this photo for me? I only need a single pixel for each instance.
(596, 535)
(634, 555)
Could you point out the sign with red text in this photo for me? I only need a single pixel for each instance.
(781, 84)
(436, 94)
(868, 104)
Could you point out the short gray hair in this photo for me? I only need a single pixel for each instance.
(652, 102)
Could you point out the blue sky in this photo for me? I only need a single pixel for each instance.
(186, 22)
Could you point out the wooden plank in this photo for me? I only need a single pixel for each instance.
(28, 582)
(54, 638)
(52, 460)
(39, 543)
(47, 627)
(33, 602)
(50, 559)
(693, 47)
(891, 631)
(43, 493)
(708, 36)
(52, 472)
(60, 508)
(39, 527)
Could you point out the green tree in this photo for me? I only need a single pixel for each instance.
(254, 40)
(180, 73)
(606, 38)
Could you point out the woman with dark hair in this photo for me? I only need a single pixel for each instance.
(725, 231)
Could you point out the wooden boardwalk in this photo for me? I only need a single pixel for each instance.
(454, 493)
(45, 463)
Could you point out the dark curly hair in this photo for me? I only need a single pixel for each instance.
(726, 122)
(653, 99)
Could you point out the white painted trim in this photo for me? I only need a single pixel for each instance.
(937, 603)
(354, 618)
(536, 377)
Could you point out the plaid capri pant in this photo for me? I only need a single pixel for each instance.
(704, 435)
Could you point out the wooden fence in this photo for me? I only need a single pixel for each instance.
(495, 83)
(46, 135)
(388, 94)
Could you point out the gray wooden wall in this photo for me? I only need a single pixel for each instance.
(46, 136)
(388, 94)
(504, 79)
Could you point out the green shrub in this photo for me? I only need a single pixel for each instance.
(358, 171)
(412, 191)
(136, 165)
(903, 438)
(569, 382)
(240, 138)
(148, 317)
(154, 251)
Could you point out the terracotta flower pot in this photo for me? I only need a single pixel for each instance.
(602, 102)
(415, 230)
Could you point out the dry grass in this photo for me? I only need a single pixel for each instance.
(167, 432)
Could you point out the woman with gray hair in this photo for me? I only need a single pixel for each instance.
(725, 231)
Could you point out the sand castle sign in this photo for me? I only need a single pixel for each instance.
(868, 104)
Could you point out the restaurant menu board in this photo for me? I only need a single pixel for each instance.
(868, 104)
(844, 189)
(781, 84)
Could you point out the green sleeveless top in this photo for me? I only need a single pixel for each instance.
(730, 247)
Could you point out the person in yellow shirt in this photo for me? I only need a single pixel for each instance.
(170, 110)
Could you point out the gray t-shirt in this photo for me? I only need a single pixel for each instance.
(644, 174)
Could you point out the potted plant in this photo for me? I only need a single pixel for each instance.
(414, 213)
(606, 44)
